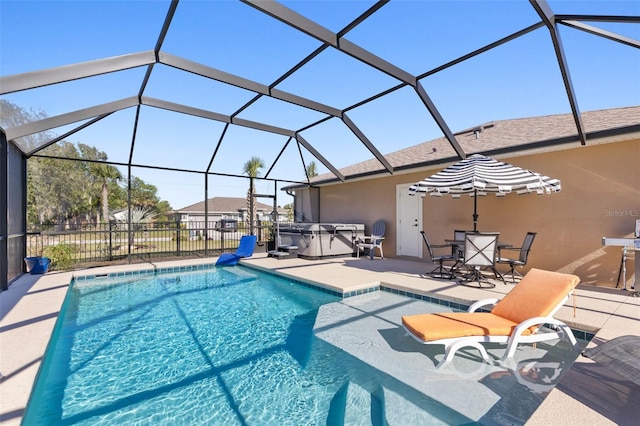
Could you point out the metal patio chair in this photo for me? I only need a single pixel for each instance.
(452, 256)
(458, 249)
(523, 256)
(479, 255)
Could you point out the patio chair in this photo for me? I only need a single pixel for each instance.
(480, 254)
(518, 318)
(245, 249)
(373, 241)
(452, 256)
(458, 235)
(522, 257)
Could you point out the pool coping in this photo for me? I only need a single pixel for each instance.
(390, 288)
(452, 304)
(32, 303)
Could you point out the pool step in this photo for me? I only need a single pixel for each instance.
(351, 405)
(284, 252)
(397, 406)
(277, 254)
(354, 405)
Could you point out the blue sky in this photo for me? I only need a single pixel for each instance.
(518, 79)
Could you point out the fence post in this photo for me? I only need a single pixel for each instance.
(221, 232)
(177, 238)
(110, 227)
(205, 234)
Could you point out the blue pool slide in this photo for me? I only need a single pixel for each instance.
(245, 249)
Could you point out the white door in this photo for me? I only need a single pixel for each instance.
(409, 216)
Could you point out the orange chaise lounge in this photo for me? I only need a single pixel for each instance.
(517, 318)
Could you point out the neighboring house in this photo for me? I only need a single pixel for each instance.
(600, 191)
(229, 208)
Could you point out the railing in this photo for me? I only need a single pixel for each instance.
(101, 244)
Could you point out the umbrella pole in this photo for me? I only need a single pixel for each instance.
(475, 210)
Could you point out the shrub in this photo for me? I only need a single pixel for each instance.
(183, 236)
(61, 256)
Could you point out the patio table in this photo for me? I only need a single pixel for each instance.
(455, 270)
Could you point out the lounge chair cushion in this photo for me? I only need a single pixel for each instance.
(246, 246)
(536, 295)
(429, 327)
(245, 249)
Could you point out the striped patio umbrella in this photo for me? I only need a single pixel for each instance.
(479, 175)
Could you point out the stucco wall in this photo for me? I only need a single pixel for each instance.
(600, 197)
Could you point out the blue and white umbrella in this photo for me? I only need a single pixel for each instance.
(479, 175)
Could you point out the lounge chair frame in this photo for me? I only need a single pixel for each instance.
(543, 328)
(452, 345)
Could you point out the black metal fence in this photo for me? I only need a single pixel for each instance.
(116, 243)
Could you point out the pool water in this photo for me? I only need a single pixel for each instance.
(227, 346)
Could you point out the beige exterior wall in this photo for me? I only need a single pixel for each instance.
(600, 197)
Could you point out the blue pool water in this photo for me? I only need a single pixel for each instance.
(221, 346)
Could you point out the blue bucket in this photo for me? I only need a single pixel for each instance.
(30, 262)
(37, 265)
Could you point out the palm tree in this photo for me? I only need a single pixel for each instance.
(312, 169)
(139, 218)
(252, 169)
(103, 174)
(106, 174)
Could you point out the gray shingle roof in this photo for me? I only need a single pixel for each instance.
(498, 136)
(223, 205)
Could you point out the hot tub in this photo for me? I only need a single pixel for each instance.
(318, 240)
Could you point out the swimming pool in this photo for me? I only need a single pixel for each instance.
(234, 346)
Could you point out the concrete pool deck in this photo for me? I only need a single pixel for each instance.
(587, 394)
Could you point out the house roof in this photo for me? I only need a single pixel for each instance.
(223, 205)
(497, 137)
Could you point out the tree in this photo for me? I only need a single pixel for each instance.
(252, 169)
(143, 194)
(162, 208)
(100, 174)
(57, 189)
(312, 169)
(140, 218)
(61, 190)
(289, 209)
(12, 115)
(107, 174)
